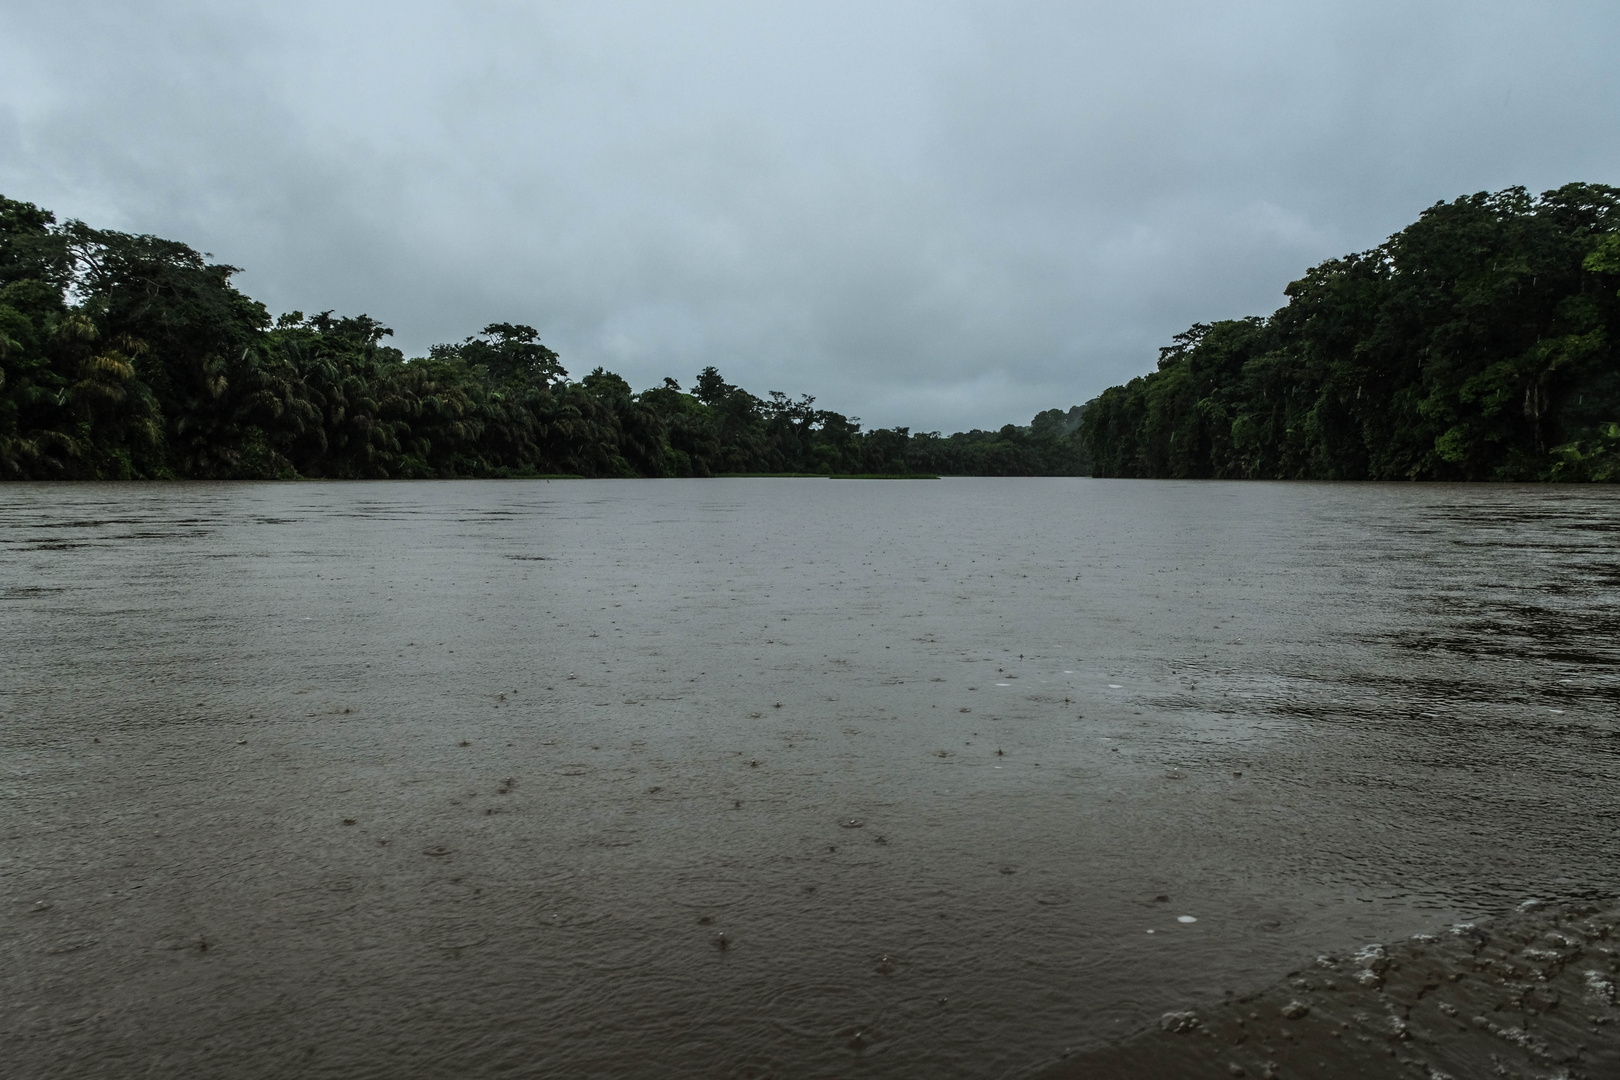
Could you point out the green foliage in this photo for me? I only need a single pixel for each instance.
(509, 352)
(128, 356)
(1476, 344)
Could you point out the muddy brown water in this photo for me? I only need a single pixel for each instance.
(750, 778)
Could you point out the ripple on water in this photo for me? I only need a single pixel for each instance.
(1359, 688)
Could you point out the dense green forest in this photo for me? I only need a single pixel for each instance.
(125, 356)
(1479, 343)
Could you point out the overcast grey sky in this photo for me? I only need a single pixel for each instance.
(945, 214)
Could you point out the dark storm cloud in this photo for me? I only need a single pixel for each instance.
(930, 213)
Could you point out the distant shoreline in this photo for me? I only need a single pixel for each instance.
(1481, 343)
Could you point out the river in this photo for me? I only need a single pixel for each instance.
(766, 777)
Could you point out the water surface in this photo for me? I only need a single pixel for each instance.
(477, 778)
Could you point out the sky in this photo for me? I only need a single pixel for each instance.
(945, 214)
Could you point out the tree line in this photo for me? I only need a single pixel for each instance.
(133, 357)
(1479, 343)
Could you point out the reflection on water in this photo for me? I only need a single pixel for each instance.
(766, 777)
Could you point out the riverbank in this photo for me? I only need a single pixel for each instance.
(1529, 994)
